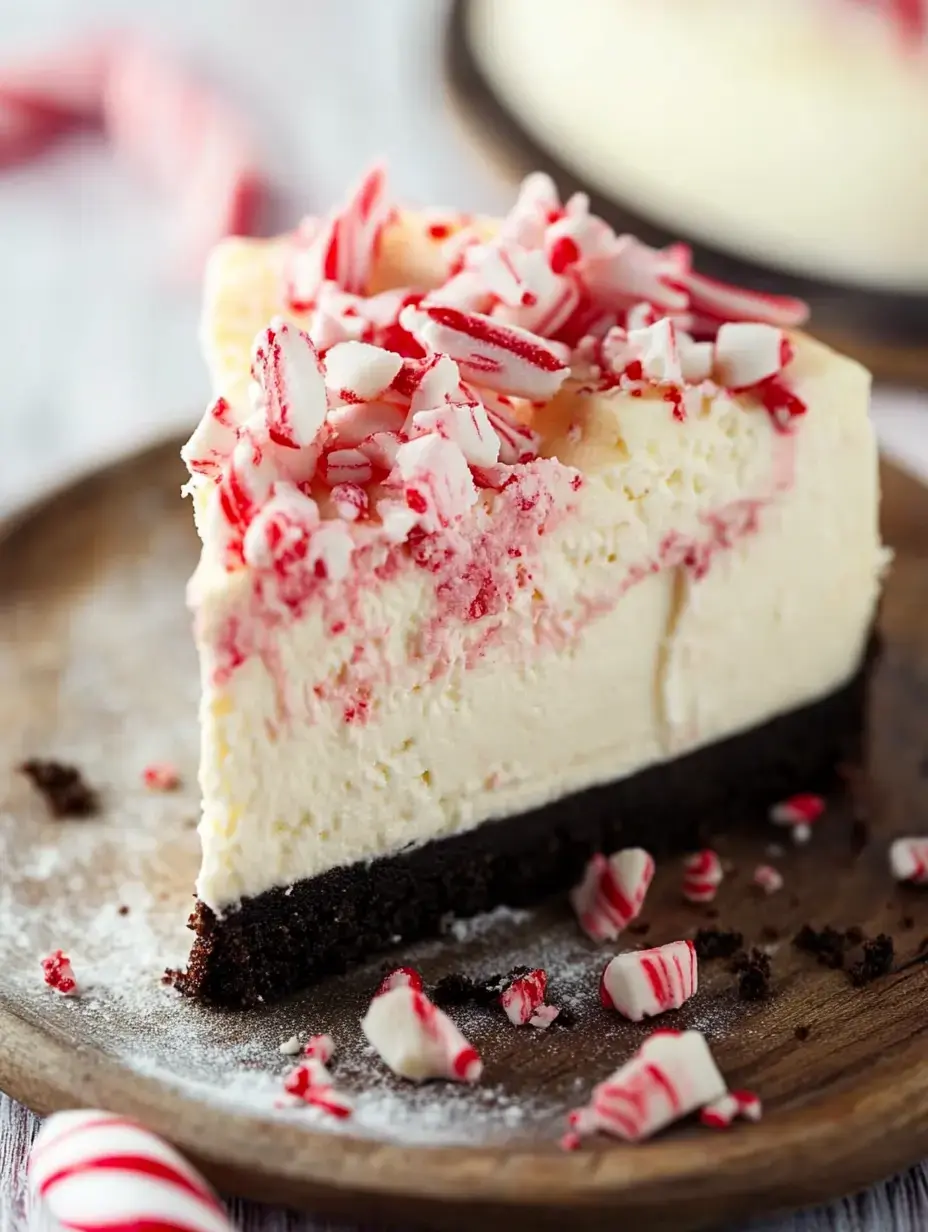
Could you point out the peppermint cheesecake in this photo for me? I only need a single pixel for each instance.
(520, 541)
(781, 131)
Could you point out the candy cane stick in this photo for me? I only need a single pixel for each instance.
(97, 1172)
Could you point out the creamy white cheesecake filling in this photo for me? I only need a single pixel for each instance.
(787, 131)
(692, 579)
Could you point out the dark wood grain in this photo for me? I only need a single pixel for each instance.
(886, 330)
(94, 580)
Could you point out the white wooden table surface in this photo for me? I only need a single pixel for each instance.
(98, 348)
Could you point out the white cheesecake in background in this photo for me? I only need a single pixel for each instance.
(784, 131)
(520, 541)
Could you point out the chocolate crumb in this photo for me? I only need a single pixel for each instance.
(923, 767)
(794, 900)
(827, 944)
(711, 913)
(802, 1034)
(877, 960)
(854, 935)
(716, 943)
(64, 788)
(123, 910)
(753, 971)
(769, 933)
(907, 922)
(860, 835)
(457, 989)
(640, 928)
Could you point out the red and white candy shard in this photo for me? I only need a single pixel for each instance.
(643, 983)
(908, 860)
(702, 876)
(212, 442)
(501, 357)
(311, 1083)
(768, 878)
(671, 1075)
(59, 974)
(279, 533)
(94, 1171)
(612, 892)
(161, 776)
(468, 426)
(524, 1001)
(359, 372)
(402, 977)
(416, 1040)
(722, 1112)
(342, 248)
(437, 484)
(319, 1048)
(799, 812)
(747, 353)
(290, 382)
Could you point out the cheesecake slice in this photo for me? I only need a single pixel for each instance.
(520, 541)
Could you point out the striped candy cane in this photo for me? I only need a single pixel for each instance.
(97, 1172)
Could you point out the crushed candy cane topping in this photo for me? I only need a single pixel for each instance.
(59, 974)
(384, 415)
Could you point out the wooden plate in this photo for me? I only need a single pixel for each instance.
(97, 667)
(886, 330)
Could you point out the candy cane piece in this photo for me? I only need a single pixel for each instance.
(290, 384)
(908, 860)
(647, 982)
(402, 977)
(524, 1001)
(95, 1172)
(747, 353)
(799, 812)
(468, 426)
(359, 372)
(501, 357)
(212, 441)
(417, 1040)
(437, 483)
(671, 1075)
(768, 878)
(343, 248)
(612, 892)
(722, 1112)
(702, 875)
(59, 974)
